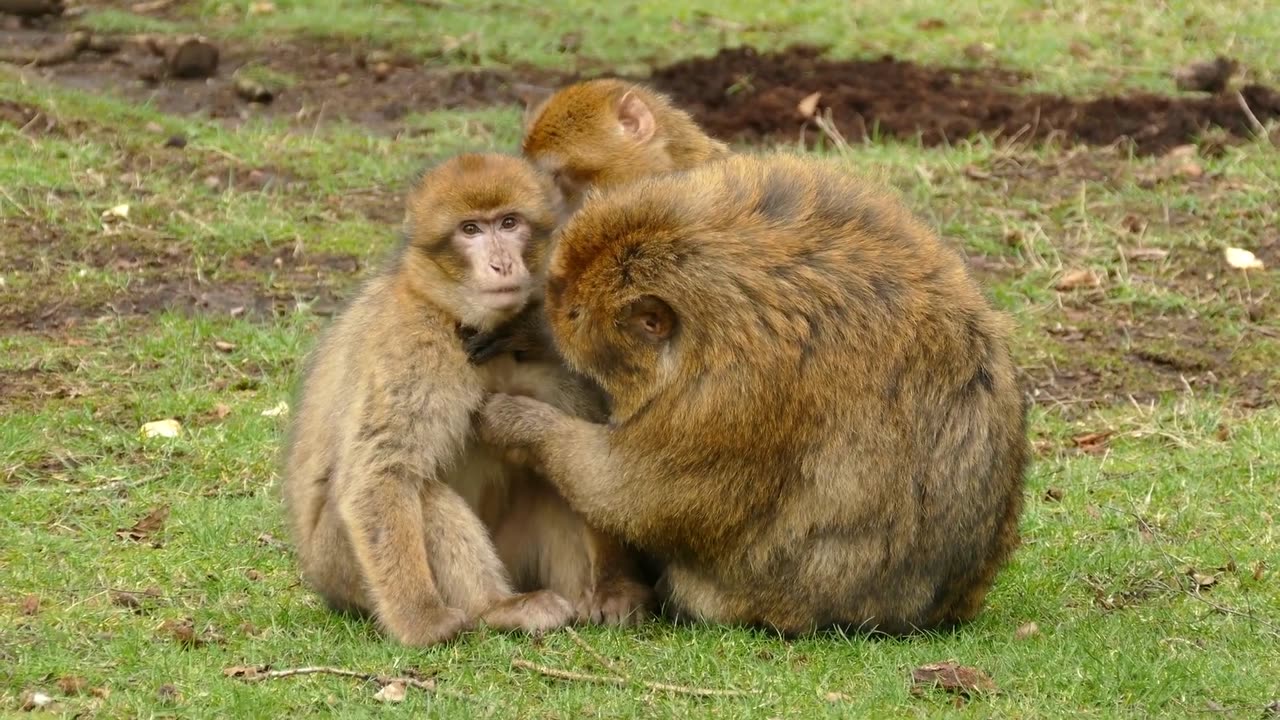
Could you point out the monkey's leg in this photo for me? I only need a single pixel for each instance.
(329, 565)
(546, 544)
(386, 520)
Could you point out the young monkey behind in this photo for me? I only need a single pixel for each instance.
(606, 132)
(396, 509)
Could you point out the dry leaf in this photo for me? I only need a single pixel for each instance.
(978, 51)
(931, 24)
(134, 600)
(119, 212)
(141, 530)
(72, 685)
(221, 410)
(1204, 581)
(1076, 279)
(281, 408)
(1242, 259)
(253, 575)
(183, 631)
(1145, 254)
(246, 672)
(1093, 442)
(223, 346)
(808, 107)
(836, 697)
(262, 8)
(973, 172)
(31, 604)
(1259, 570)
(953, 678)
(1053, 494)
(1026, 630)
(168, 694)
(169, 428)
(392, 692)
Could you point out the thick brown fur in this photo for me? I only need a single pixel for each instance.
(585, 136)
(816, 420)
(396, 509)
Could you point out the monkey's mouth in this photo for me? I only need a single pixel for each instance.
(504, 296)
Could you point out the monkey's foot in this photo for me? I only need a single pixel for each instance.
(532, 612)
(618, 603)
(438, 625)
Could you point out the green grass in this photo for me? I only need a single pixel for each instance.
(1185, 485)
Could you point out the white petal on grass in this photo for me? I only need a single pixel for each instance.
(1242, 259)
(281, 408)
(169, 428)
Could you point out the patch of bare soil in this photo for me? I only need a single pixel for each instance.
(747, 95)
(161, 277)
(306, 81)
(738, 94)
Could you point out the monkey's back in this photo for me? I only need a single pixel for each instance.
(842, 365)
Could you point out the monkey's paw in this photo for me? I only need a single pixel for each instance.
(533, 612)
(439, 625)
(617, 603)
(511, 420)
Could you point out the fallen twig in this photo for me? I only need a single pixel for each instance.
(621, 681)
(1254, 123)
(604, 662)
(258, 674)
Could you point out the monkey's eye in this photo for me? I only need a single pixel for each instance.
(509, 222)
(470, 228)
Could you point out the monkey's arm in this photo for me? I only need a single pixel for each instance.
(626, 499)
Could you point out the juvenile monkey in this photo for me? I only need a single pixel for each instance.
(600, 133)
(396, 509)
(815, 419)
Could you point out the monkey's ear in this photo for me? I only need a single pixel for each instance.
(651, 318)
(533, 97)
(635, 117)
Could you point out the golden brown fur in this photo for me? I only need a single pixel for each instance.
(396, 509)
(815, 419)
(605, 132)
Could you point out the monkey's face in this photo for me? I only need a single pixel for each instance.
(492, 248)
(484, 221)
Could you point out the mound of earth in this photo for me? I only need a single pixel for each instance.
(743, 94)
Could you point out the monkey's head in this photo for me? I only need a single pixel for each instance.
(618, 294)
(603, 132)
(482, 224)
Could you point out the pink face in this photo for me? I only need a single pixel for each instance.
(494, 247)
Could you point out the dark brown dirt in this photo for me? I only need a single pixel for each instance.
(318, 81)
(162, 277)
(739, 94)
(745, 95)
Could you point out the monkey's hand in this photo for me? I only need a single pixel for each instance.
(485, 346)
(515, 421)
